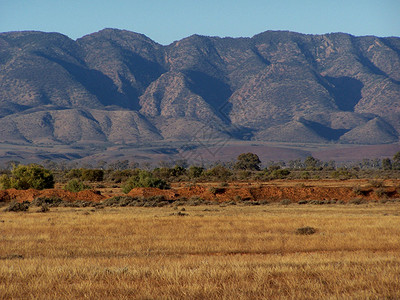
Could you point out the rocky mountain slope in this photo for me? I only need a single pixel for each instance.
(121, 87)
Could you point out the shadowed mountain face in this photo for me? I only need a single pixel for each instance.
(120, 87)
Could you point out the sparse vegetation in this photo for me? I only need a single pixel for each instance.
(204, 205)
(202, 252)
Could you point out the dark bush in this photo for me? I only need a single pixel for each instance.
(317, 202)
(122, 201)
(18, 207)
(306, 230)
(92, 175)
(48, 201)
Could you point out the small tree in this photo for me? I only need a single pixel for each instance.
(386, 164)
(312, 163)
(396, 161)
(248, 161)
(26, 177)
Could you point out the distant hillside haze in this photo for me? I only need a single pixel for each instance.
(120, 87)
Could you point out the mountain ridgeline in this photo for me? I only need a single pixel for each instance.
(116, 86)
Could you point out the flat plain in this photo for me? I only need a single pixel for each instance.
(198, 252)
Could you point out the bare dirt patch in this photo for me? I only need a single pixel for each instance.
(273, 191)
(31, 194)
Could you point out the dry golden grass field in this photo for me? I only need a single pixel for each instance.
(203, 252)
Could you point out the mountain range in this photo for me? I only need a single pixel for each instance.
(116, 87)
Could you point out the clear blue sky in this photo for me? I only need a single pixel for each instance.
(165, 21)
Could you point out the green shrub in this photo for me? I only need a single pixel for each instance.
(341, 174)
(5, 182)
(243, 174)
(248, 161)
(75, 185)
(219, 173)
(195, 172)
(279, 174)
(26, 177)
(305, 175)
(144, 179)
(163, 173)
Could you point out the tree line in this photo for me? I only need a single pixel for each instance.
(128, 175)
